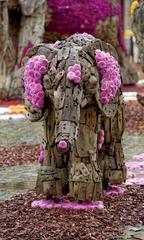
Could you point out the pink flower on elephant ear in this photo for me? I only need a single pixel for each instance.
(37, 65)
(101, 64)
(45, 62)
(104, 85)
(104, 100)
(38, 87)
(99, 54)
(110, 76)
(42, 70)
(34, 70)
(31, 63)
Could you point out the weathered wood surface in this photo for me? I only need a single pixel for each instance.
(75, 113)
(138, 28)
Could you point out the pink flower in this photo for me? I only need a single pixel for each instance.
(77, 67)
(62, 144)
(31, 64)
(70, 69)
(34, 69)
(45, 62)
(71, 76)
(104, 86)
(42, 70)
(110, 71)
(37, 65)
(101, 64)
(78, 73)
(74, 73)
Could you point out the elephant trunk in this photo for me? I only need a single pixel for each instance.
(66, 135)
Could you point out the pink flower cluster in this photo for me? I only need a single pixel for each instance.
(62, 145)
(74, 73)
(41, 156)
(34, 70)
(100, 139)
(110, 71)
(114, 190)
(67, 204)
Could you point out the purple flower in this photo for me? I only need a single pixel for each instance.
(34, 69)
(74, 73)
(42, 70)
(77, 67)
(110, 71)
(101, 64)
(71, 76)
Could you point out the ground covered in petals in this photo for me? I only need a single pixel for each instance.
(19, 221)
(134, 117)
(18, 154)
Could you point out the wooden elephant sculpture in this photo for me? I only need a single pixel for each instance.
(69, 86)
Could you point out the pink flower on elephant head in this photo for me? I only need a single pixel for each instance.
(74, 73)
(35, 68)
(110, 71)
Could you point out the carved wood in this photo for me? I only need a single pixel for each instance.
(83, 170)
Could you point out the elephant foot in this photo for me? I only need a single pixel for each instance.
(85, 191)
(52, 182)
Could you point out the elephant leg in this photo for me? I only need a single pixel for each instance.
(52, 175)
(85, 179)
(111, 157)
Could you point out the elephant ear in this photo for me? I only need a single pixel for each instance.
(109, 94)
(36, 66)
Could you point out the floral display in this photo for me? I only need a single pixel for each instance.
(35, 68)
(69, 17)
(110, 72)
(74, 73)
